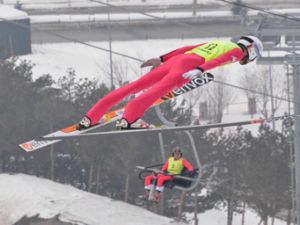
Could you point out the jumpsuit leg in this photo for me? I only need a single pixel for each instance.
(115, 96)
(173, 79)
(148, 180)
(161, 179)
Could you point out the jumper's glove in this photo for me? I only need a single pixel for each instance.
(154, 62)
(192, 74)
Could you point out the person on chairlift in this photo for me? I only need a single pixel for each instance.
(173, 166)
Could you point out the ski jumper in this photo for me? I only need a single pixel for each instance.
(171, 166)
(167, 77)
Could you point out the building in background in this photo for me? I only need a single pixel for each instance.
(14, 32)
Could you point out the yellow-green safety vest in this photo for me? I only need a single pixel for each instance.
(175, 166)
(213, 49)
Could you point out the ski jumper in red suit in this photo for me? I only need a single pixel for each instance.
(171, 166)
(166, 77)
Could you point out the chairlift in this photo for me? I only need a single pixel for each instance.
(184, 181)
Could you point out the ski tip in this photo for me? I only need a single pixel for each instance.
(26, 147)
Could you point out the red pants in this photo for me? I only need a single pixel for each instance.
(160, 81)
(161, 179)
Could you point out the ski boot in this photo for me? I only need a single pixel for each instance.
(122, 124)
(84, 123)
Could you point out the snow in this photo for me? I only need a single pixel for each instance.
(123, 16)
(27, 195)
(138, 16)
(219, 217)
(24, 195)
(10, 13)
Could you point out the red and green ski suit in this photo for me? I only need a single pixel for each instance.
(167, 77)
(171, 166)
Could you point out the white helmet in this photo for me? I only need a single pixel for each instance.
(253, 45)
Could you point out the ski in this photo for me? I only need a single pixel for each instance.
(178, 128)
(110, 117)
(158, 129)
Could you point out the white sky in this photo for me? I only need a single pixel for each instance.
(22, 195)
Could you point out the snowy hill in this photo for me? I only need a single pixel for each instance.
(27, 195)
(24, 195)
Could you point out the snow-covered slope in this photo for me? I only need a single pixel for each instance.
(22, 195)
(27, 195)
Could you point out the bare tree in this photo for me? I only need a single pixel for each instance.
(121, 71)
(258, 80)
(219, 97)
(193, 98)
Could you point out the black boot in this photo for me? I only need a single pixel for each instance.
(84, 123)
